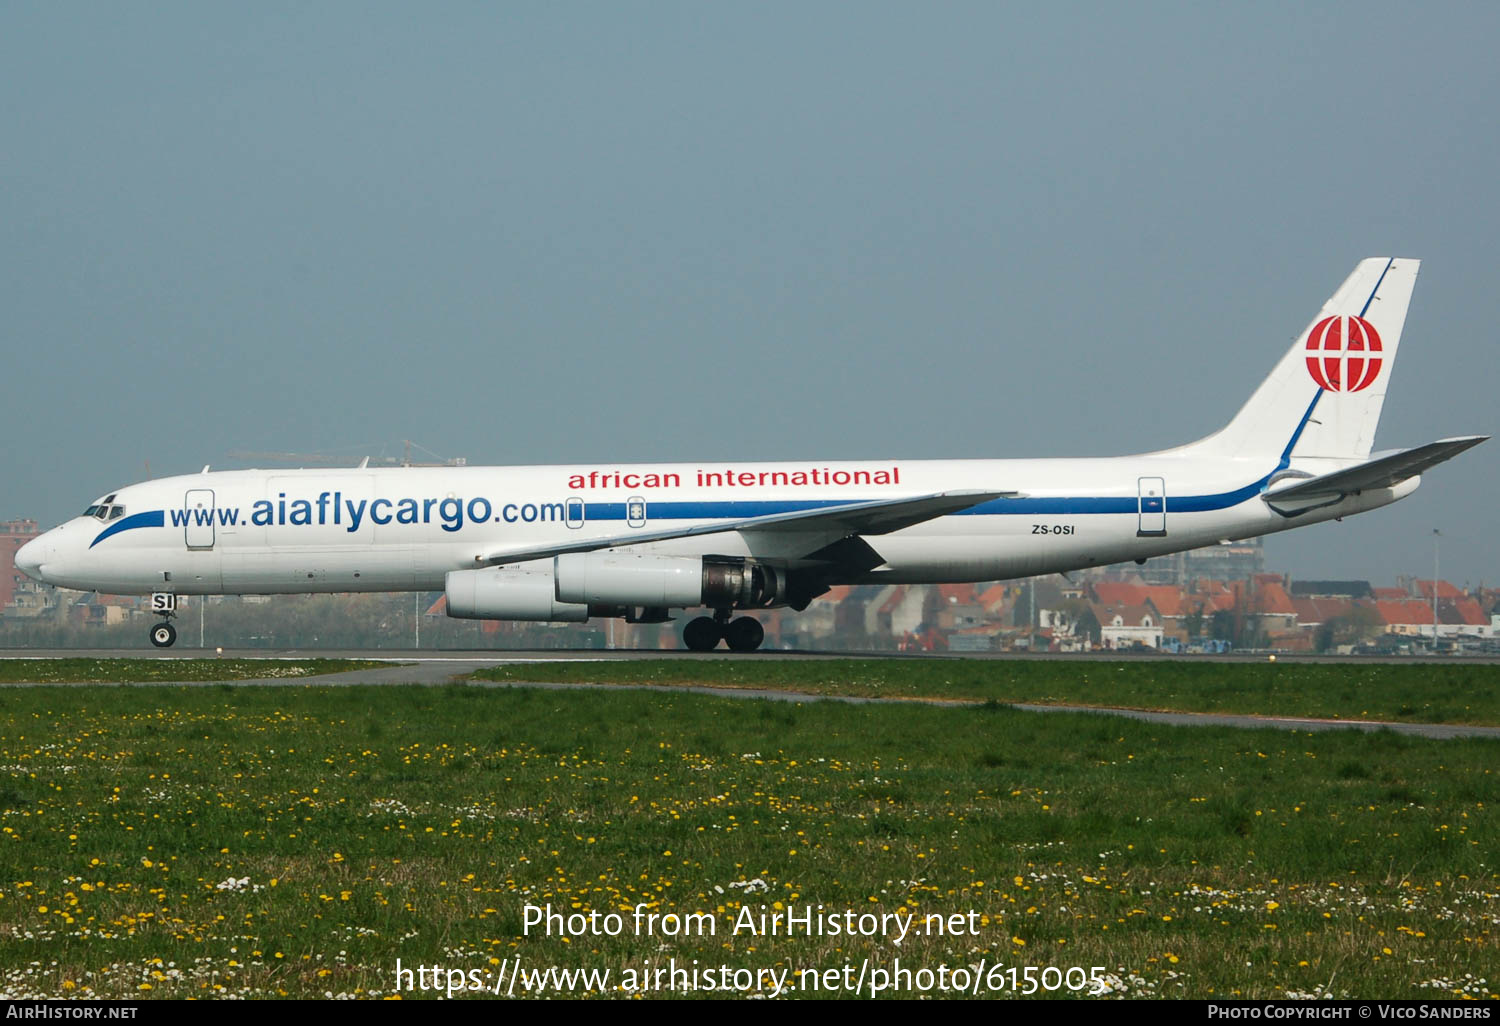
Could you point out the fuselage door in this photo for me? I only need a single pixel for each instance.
(199, 526)
(1152, 507)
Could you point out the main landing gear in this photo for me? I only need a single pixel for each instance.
(743, 634)
(164, 604)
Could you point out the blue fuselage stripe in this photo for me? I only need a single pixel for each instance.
(741, 509)
(153, 518)
(1056, 505)
(745, 509)
(1286, 454)
(738, 509)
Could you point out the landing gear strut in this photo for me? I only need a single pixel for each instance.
(743, 634)
(164, 635)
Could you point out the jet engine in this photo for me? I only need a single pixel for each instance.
(631, 579)
(508, 593)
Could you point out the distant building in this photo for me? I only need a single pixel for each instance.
(1226, 561)
(13, 535)
(90, 609)
(1332, 589)
(1119, 626)
(1444, 590)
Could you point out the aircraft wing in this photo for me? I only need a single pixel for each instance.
(1384, 471)
(880, 516)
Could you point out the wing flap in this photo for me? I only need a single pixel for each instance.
(879, 516)
(1384, 471)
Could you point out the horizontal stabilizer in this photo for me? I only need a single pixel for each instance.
(1384, 471)
(880, 516)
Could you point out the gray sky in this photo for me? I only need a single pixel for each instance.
(528, 233)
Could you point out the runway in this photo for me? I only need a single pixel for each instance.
(425, 668)
(494, 656)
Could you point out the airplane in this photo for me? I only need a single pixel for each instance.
(567, 543)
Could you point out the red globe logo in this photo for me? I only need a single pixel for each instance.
(1343, 354)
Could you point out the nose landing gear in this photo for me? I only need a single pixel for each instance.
(164, 604)
(742, 634)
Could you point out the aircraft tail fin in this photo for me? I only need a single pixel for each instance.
(1324, 398)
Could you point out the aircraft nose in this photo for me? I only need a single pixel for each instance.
(29, 558)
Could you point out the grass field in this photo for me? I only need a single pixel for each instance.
(298, 840)
(116, 671)
(1413, 693)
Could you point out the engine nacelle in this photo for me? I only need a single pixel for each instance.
(508, 594)
(630, 579)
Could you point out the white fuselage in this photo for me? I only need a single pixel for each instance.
(401, 529)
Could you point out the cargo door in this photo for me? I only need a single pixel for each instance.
(198, 505)
(1152, 507)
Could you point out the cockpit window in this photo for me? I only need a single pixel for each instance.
(104, 509)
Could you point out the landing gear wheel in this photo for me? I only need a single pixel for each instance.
(702, 634)
(744, 634)
(163, 635)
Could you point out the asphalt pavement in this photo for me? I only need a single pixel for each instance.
(428, 668)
